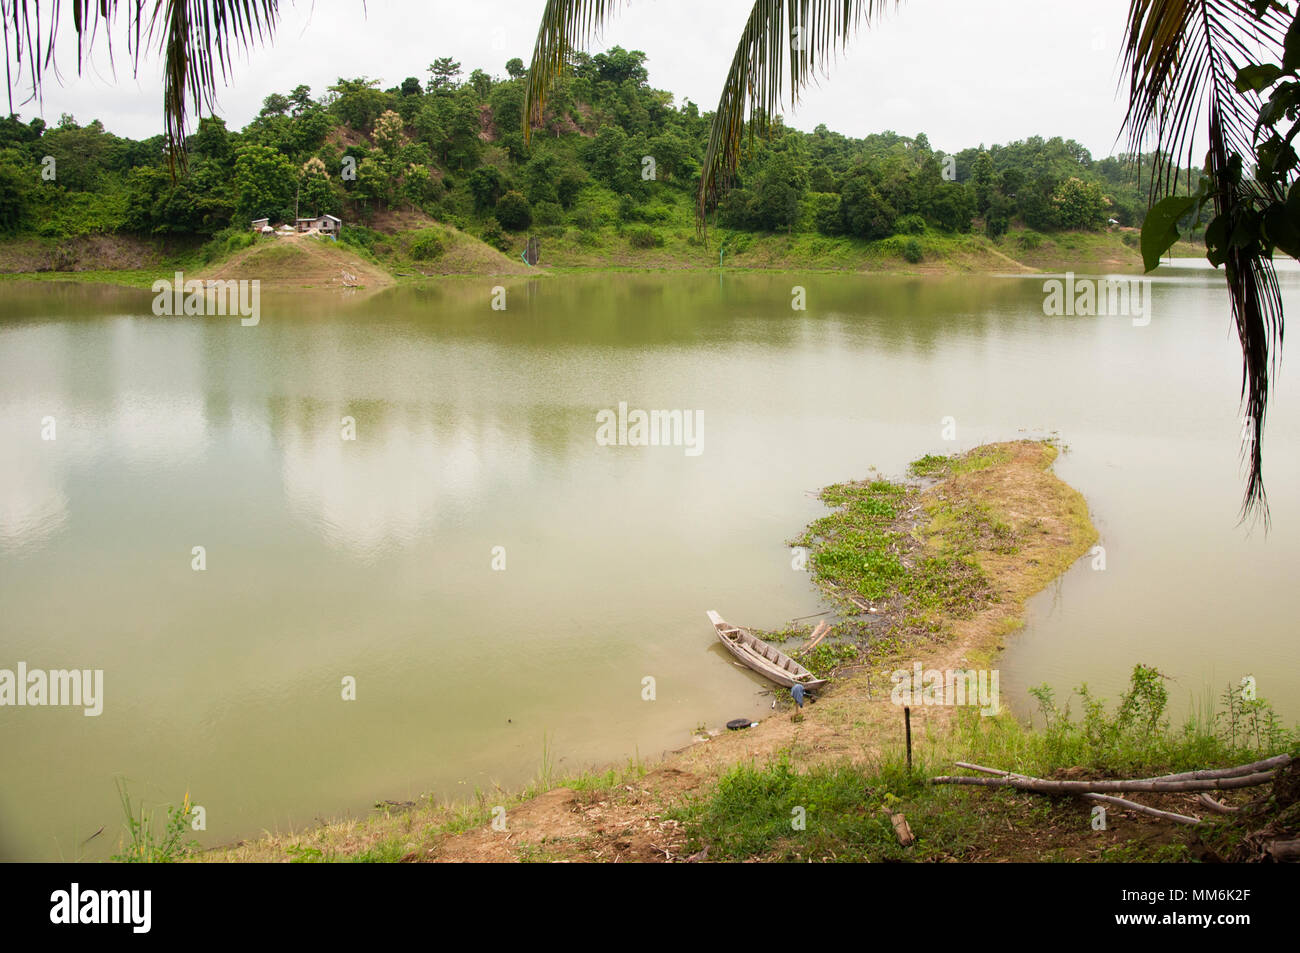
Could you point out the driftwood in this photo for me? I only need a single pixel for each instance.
(1240, 776)
(902, 830)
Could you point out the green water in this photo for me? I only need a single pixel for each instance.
(373, 558)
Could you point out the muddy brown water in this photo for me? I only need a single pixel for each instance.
(475, 429)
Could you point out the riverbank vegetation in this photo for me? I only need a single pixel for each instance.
(946, 561)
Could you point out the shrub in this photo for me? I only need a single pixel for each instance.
(513, 211)
(910, 225)
(1031, 239)
(492, 235)
(548, 213)
(912, 251)
(643, 236)
(426, 246)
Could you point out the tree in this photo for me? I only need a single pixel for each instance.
(486, 185)
(863, 211)
(358, 102)
(515, 68)
(1079, 204)
(481, 83)
(301, 99)
(411, 86)
(389, 136)
(275, 105)
(265, 182)
(443, 73)
(14, 188)
(514, 212)
(982, 179)
(315, 191)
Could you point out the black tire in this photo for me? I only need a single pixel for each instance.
(738, 723)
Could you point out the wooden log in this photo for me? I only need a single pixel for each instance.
(1042, 785)
(1142, 808)
(902, 830)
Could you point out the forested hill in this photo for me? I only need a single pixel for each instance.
(612, 153)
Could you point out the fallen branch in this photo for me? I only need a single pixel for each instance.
(1218, 807)
(1142, 808)
(1023, 782)
(1278, 761)
(1106, 798)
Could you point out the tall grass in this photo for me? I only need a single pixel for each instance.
(843, 807)
(142, 844)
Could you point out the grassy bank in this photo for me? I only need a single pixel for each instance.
(414, 248)
(934, 570)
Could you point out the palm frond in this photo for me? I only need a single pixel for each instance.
(1182, 58)
(809, 32)
(566, 26)
(197, 40)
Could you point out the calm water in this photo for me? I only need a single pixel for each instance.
(476, 429)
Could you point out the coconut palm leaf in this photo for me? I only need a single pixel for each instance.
(1182, 57)
(809, 32)
(197, 40)
(566, 26)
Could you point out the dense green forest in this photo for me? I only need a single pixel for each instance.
(611, 152)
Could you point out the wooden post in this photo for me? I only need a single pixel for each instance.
(907, 723)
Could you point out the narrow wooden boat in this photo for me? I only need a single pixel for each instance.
(754, 653)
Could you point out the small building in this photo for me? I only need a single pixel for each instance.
(261, 224)
(324, 224)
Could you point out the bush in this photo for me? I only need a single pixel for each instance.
(912, 251)
(643, 236)
(492, 235)
(227, 242)
(910, 225)
(548, 213)
(513, 211)
(426, 246)
(1031, 240)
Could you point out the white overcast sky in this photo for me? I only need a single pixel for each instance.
(964, 72)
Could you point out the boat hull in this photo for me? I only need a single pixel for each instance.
(755, 654)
